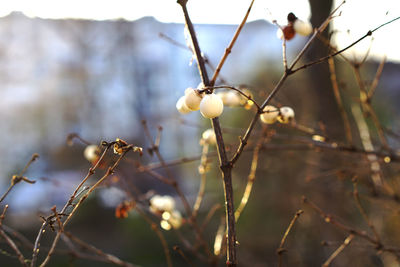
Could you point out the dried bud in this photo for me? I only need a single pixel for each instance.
(120, 146)
(122, 210)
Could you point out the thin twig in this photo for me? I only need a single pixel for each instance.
(235, 89)
(180, 252)
(336, 91)
(250, 179)
(345, 243)
(230, 46)
(369, 33)
(203, 173)
(210, 214)
(83, 198)
(361, 209)
(281, 248)
(42, 230)
(374, 84)
(9, 241)
(330, 219)
(18, 178)
(107, 257)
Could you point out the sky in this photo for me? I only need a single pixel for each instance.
(358, 16)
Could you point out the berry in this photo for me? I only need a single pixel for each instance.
(270, 114)
(181, 106)
(211, 106)
(286, 114)
(302, 27)
(92, 153)
(209, 137)
(192, 99)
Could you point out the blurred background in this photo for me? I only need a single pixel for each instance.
(99, 76)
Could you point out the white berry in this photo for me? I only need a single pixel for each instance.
(211, 106)
(209, 137)
(232, 99)
(302, 27)
(286, 114)
(270, 114)
(181, 106)
(192, 99)
(162, 203)
(92, 153)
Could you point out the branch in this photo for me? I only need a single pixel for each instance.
(230, 46)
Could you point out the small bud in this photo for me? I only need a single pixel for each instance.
(192, 99)
(270, 114)
(211, 106)
(181, 106)
(286, 114)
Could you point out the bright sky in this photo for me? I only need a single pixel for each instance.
(357, 15)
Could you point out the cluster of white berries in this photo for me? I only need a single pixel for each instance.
(210, 105)
(295, 25)
(272, 114)
(165, 206)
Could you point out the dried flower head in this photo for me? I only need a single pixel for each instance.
(122, 210)
(120, 146)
